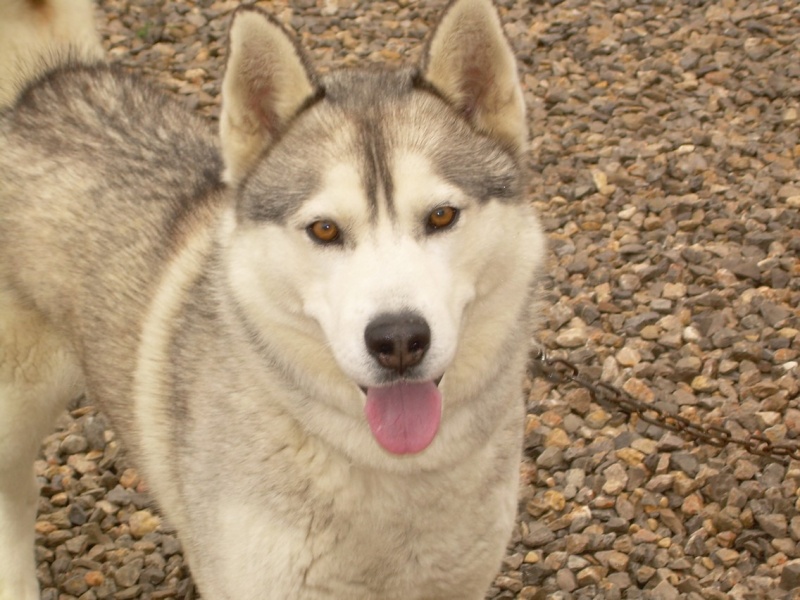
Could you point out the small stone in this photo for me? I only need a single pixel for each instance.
(575, 337)
(660, 483)
(774, 525)
(625, 508)
(580, 518)
(538, 535)
(670, 442)
(575, 477)
(644, 536)
(82, 464)
(616, 479)
(784, 545)
(790, 575)
(727, 557)
(639, 390)
(600, 180)
(75, 585)
(652, 332)
(143, 522)
(555, 500)
(566, 580)
(576, 543)
(597, 419)
(666, 591)
(591, 575)
(671, 520)
(127, 575)
(683, 484)
(720, 485)
(511, 584)
(613, 559)
(555, 560)
(630, 456)
(746, 270)
(691, 334)
(77, 515)
(576, 563)
(724, 338)
(119, 496)
(60, 520)
(773, 314)
(645, 445)
(661, 305)
(532, 557)
(628, 357)
(686, 462)
(557, 438)
(693, 504)
(94, 578)
(74, 444)
(745, 469)
(78, 544)
(129, 479)
(695, 545)
(674, 291)
(688, 367)
(701, 383)
(767, 419)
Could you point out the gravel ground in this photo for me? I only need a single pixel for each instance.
(666, 166)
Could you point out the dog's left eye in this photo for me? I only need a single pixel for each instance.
(442, 217)
(323, 232)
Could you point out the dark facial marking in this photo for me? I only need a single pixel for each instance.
(374, 162)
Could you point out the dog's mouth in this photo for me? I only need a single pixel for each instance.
(404, 417)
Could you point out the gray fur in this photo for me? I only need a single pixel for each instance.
(367, 116)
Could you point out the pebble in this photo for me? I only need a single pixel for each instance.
(628, 357)
(143, 522)
(575, 337)
(616, 479)
(773, 524)
(127, 575)
(790, 575)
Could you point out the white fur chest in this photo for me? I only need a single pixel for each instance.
(348, 533)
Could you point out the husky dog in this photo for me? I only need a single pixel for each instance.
(311, 337)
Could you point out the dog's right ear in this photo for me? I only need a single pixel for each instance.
(267, 80)
(469, 60)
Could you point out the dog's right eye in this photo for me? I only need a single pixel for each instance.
(323, 231)
(442, 218)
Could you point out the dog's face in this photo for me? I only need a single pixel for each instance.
(384, 219)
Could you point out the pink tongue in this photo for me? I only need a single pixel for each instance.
(404, 417)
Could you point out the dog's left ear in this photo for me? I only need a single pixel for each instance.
(267, 80)
(469, 61)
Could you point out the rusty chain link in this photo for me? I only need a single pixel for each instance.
(561, 371)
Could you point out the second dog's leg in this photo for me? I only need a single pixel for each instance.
(38, 376)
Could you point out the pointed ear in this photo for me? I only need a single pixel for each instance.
(469, 61)
(267, 80)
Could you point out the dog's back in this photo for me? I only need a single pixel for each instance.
(83, 145)
(86, 149)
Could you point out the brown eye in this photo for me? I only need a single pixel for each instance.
(442, 217)
(324, 232)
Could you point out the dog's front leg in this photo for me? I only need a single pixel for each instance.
(18, 496)
(38, 376)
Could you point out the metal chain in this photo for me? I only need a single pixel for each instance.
(561, 371)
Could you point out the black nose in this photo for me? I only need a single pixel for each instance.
(398, 341)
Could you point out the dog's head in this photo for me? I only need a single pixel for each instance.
(381, 240)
